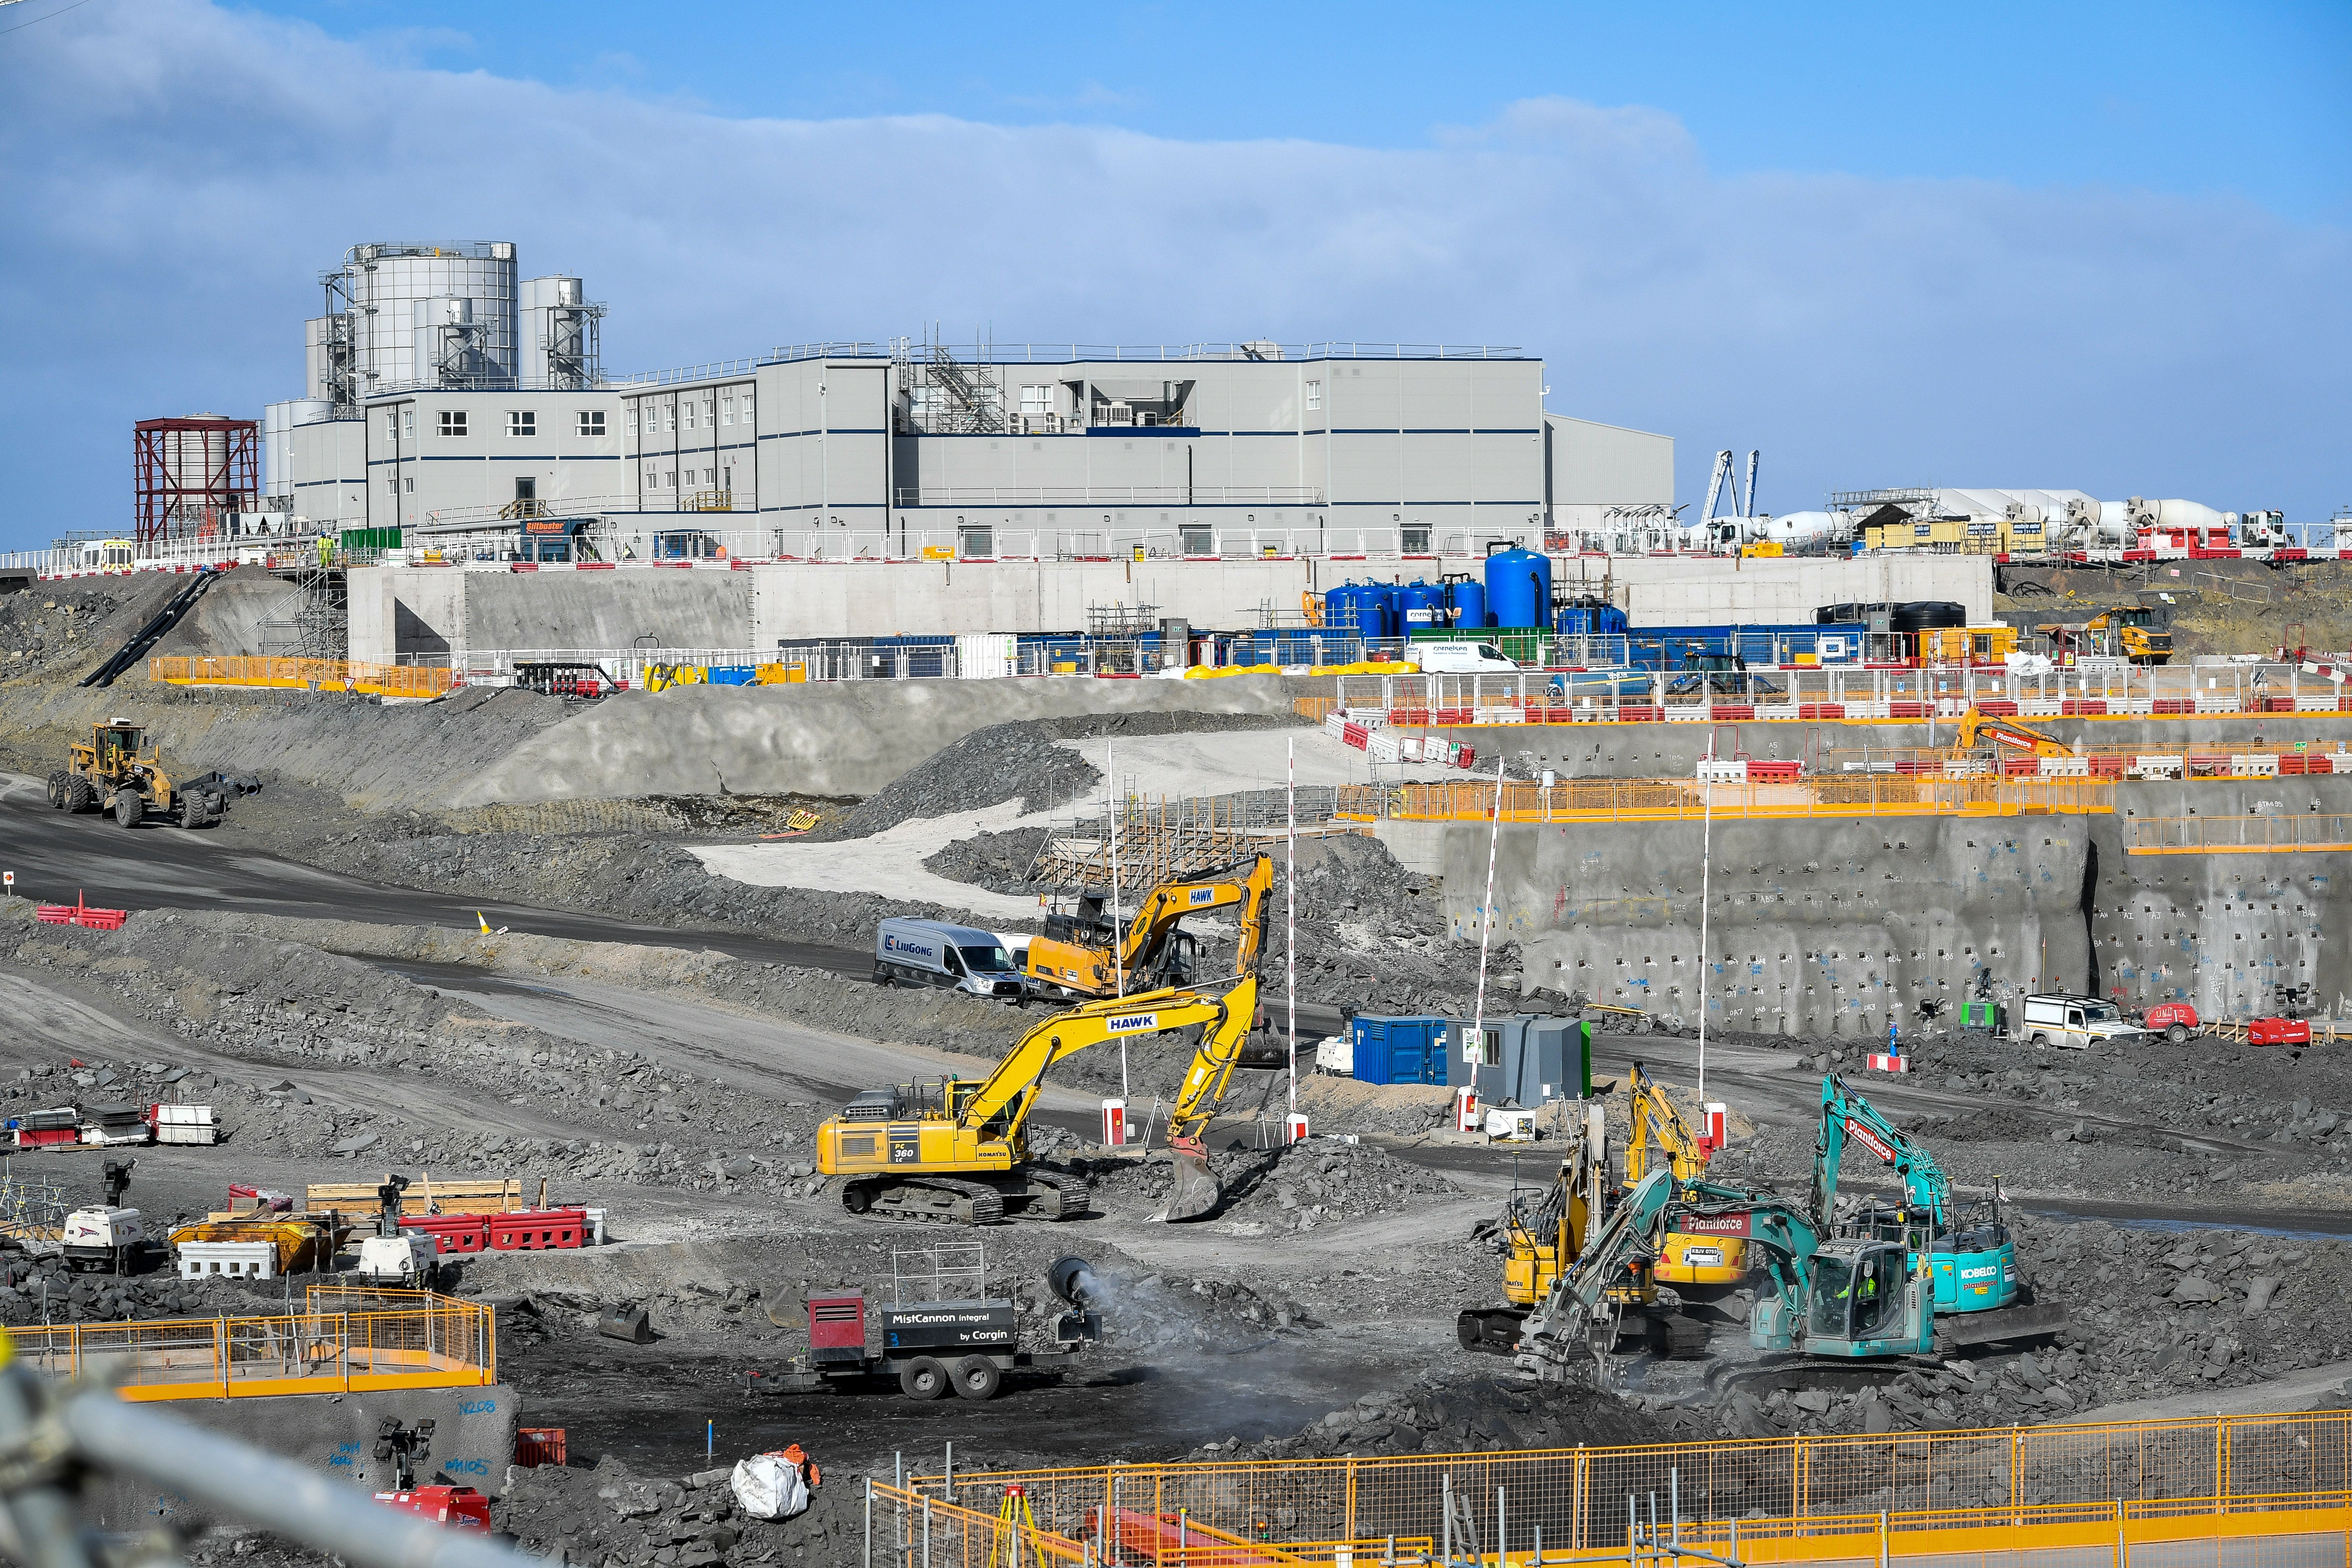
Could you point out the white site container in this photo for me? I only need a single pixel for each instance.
(228, 1259)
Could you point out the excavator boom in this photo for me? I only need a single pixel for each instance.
(1978, 725)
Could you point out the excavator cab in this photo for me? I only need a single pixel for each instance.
(1866, 1299)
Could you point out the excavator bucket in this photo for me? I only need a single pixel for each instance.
(1196, 1192)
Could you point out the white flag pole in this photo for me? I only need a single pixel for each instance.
(1290, 909)
(1119, 966)
(1486, 920)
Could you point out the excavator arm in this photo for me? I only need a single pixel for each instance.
(1976, 725)
(1654, 1116)
(1002, 1103)
(1844, 1111)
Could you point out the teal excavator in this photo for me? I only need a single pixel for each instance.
(1980, 1297)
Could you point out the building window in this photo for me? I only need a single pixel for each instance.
(669, 417)
(669, 480)
(747, 406)
(409, 485)
(727, 410)
(392, 426)
(453, 422)
(633, 419)
(521, 422)
(1313, 394)
(1037, 399)
(689, 416)
(592, 422)
(408, 423)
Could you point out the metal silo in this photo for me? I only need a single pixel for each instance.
(557, 347)
(458, 301)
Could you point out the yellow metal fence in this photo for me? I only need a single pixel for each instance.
(303, 675)
(1796, 1499)
(343, 1341)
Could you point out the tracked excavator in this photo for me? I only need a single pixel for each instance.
(1852, 1298)
(1553, 1234)
(1980, 1297)
(956, 1149)
(1978, 727)
(1701, 1265)
(1084, 954)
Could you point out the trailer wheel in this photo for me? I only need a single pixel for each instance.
(976, 1377)
(923, 1378)
(2176, 1034)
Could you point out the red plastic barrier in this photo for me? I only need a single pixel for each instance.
(1451, 717)
(1413, 717)
(1635, 713)
(2015, 767)
(79, 913)
(538, 1230)
(1775, 770)
(451, 1232)
(2174, 705)
(2275, 705)
(1907, 709)
(2107, 767)
(1730, 712)
(1822, 710)
(1997, 708)
(2076, 707)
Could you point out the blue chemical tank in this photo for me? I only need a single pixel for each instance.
(1468, 600)
(1354, 607)
(1382, 613)
(1519, 589)
(1590, 617)
(1423, 605)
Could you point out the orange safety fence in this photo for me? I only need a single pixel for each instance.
(2285, 834)
(343, 1340)
(419, 680)
(1794, 1498)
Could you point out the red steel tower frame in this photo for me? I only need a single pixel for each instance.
(189, 471)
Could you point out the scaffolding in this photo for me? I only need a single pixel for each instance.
(947, 395)
(189, 473)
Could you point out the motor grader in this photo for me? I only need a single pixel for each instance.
(111, 772)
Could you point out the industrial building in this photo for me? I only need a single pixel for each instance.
(449, 397)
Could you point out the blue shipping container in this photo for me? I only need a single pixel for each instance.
(1393, 1049)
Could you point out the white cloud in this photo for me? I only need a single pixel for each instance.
(176, 175)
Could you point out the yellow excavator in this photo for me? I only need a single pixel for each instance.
(957, 1149)
(1976, 727)
(1083, 954)
(1692, 1263)
(2135, 631)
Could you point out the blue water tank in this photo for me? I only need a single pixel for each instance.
(1468, 599)
(1343, 606)
(1519, 589)
(1390, 600)
(1424, 607)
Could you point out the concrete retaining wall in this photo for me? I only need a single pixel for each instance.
(473, 1444)
(1829, 929)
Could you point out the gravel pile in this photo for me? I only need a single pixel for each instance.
(997, 861)
(1324, 1182)
(57, 625)
(1451, 1412)
(37, 1290)
(611, 1514)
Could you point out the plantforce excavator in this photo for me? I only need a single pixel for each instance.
(957, 1151)
(1084, 954)
(1977, 728)
(1980, 1296)
(1707, 1261)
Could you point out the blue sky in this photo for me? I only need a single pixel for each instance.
(2094, 246)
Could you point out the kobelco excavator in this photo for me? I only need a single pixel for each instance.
(957, 1151)
(1084, 954)
(1980, 1295)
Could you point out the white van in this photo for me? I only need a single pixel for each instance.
(2075, 1022)
(933, 952)
(1460, 657)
